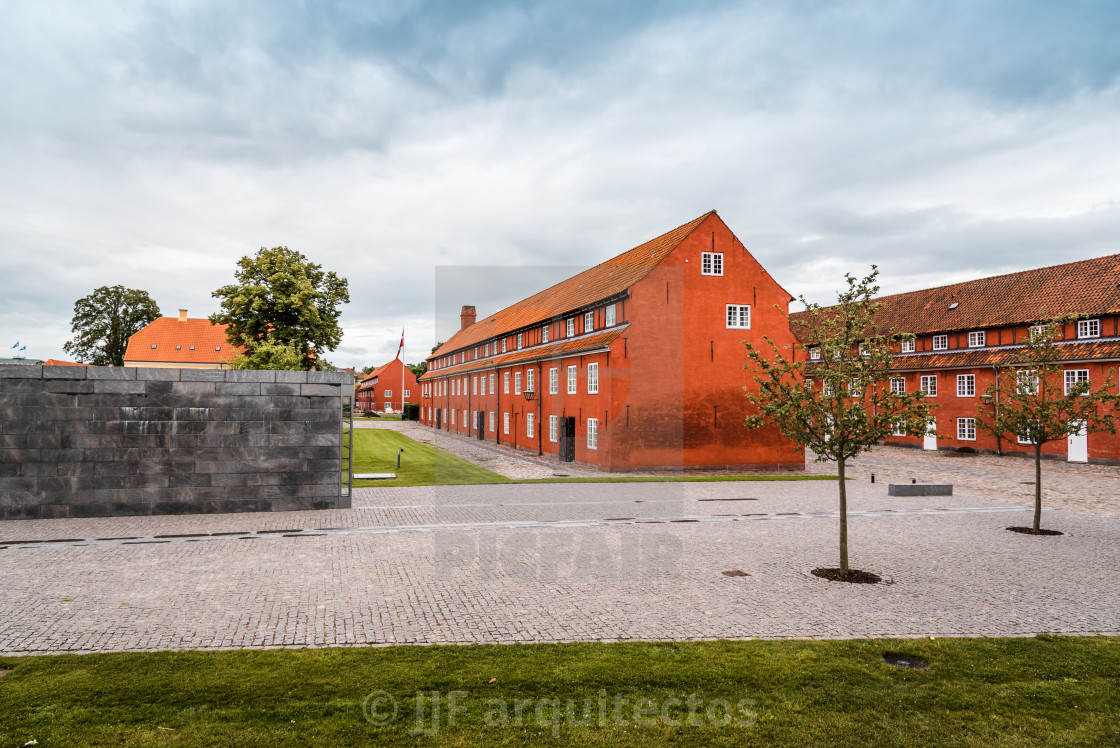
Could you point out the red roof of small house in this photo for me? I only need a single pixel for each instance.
(1084, 287)
(595, 284)
(372, 376)
(181, 341)
(56, 362)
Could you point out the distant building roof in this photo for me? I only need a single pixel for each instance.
(181, 340)
(56, 362)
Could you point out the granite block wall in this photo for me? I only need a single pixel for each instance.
(79, 441)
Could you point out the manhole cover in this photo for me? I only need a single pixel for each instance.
(735, 573)
(905, 660)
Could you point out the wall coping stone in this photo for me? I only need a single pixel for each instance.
(110, 372)
(21, 371)
(64, 372)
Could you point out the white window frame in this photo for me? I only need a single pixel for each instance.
(940, 342)
(572, 379)
(1088, 328)
(519, 341)
(592, 433)
(388, 393)
(611, 316)
(553, 380)
(517, 383)
(505, 422)
(474, 385)
(487, 350)
(466, 423)
(966, 385)
(593, 379)
(589, 322)
(491, 422)
(570, 327)
(977, 339)
(898, 385)
(907, 346)
(544, 334)
(408, 393)
(1072, 376)
(505, 382)
(899, 428)
(966, 429)
(814, 354)
(452, 416)
(711, 263)
(493, 389)
(929, 385)
(1026, 382)
(529, 383)
(735, 316)
(1023, 439)
(529, 424)
(553, 429)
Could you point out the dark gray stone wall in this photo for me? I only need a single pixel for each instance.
(80, 441)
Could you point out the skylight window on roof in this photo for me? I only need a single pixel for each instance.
(954, 305)
(153, 346)
(178, 347)
(192, 347)
(217, 348)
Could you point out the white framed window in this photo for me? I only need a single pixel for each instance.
(476, 351)
(855, 389)
(966, 429)
(814, 354)
(529, 380)
(463, 391)
(898, 385)
(571, 380)
(593, 379)
(592, 433)
(519, 340)
(505, 382)
(505, 423)
(1088, 328)
(966, 385)
(553, 428)
(466, 423)
(1023, 438)
(1037, 330)
(452, 416)
(711, 263)
(610, 313)
(493, 389)
(1074, 377)
(553, 380)
(589, 321)
(408, 393)
(504, 341)
(570, 326)
(977, 339)
(544, 334)
(899, 428)
(529, 424)
(1026, 382)
(940, 342)
(907, 346)
(517, 383)
(739, 316)
(474, 386)
(487, 350)
(388, 393)
(826, 387)
(929, 385)
(491, 421)
(388, 406)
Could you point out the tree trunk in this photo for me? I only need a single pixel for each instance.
(1037, 485)
(843, 517)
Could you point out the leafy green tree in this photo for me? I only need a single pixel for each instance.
(837, 402)
(418, 369)
(105, 320)
(1034, 404)
(269, 354)
(284, 297)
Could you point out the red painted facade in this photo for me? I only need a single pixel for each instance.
(383, 389)
(657, 374)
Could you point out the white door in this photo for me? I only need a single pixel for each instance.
(930, 441)
(1077, 445)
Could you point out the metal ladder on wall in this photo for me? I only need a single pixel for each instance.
(346, 447)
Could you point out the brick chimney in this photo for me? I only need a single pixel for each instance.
(467, 317)
(182, 315)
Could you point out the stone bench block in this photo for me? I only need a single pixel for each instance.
(920, 489)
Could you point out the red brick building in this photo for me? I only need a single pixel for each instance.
(965, 330)
(634, 363)
(383, 389)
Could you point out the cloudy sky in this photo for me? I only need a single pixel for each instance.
(153, 144)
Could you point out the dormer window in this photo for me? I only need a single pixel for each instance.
(940, 342)
(519, 340)
(977, 339)
(503, 345)
(1089, 328)
(814, 354)
(907, 346)
(611, 316)
(589, 322)
(544, 334)
(571, 327)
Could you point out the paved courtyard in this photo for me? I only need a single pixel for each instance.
(519, 563)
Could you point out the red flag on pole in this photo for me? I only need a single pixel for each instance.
(401, 346)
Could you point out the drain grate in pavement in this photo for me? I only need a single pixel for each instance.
(735, 573)
(905, 660)
(278, 532)
(684, 520)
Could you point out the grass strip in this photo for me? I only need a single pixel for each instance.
(975, 692)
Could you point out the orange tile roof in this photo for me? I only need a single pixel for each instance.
(563, 347)
(1098, 350)
(168, 332)
(600, 282)
(373, 374)
(56, 362)
(1083, 287)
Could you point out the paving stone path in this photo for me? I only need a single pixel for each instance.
(560, 562)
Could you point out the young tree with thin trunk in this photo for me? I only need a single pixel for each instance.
(1037, 402)
(831, 392)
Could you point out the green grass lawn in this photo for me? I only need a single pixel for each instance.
(975, 692)
(375, 451)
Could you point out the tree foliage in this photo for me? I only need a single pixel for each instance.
(418, 369)
(105, 320)
(269, 354)
(285, 298)
(1031, 402)
(840, 403)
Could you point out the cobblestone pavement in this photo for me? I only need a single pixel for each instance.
(520, 563)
